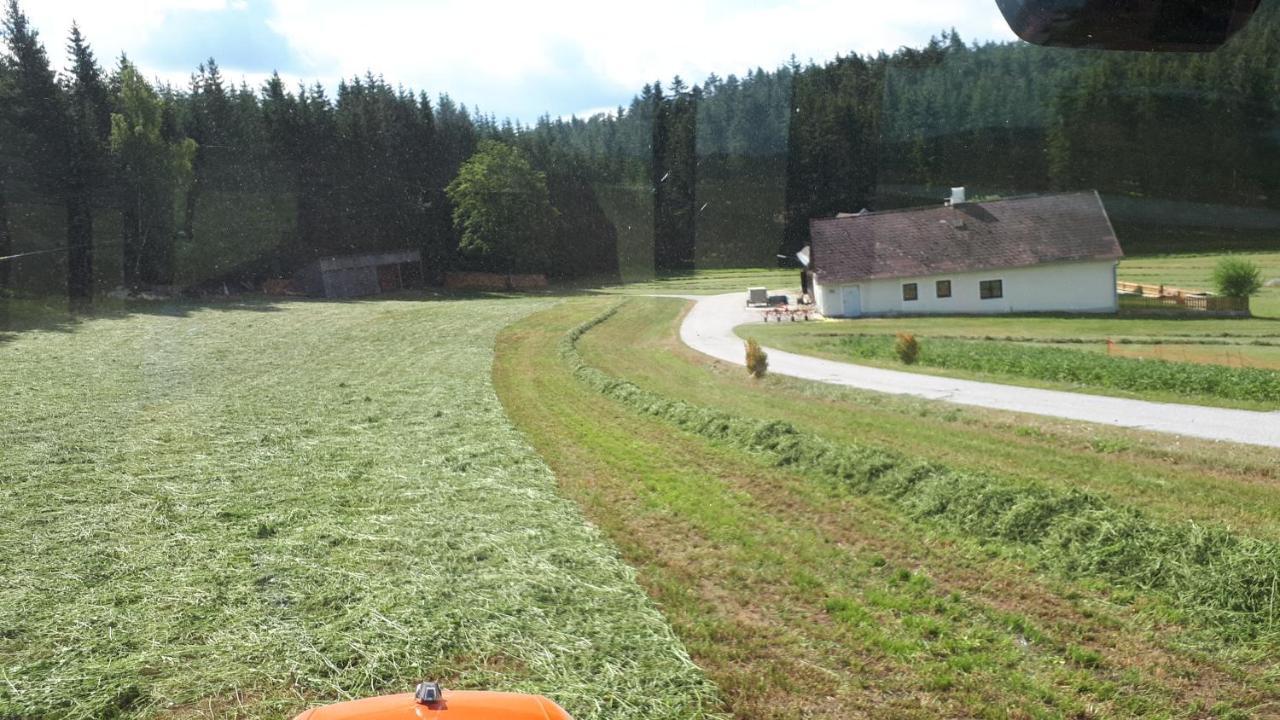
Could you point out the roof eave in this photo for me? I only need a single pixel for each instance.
(826, 277)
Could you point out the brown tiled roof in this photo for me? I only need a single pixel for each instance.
(1016, 232)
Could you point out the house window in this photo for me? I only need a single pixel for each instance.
(944, 288)
(990, 289)
(910, 291)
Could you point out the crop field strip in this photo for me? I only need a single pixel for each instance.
(1150, 366)
(1203, 382)
(238, 510)
(778, 582)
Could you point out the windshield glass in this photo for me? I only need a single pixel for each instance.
(673, 360)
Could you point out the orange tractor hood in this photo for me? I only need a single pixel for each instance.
(456, 705)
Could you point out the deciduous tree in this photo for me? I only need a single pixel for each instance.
(502, 210)
(154, 172)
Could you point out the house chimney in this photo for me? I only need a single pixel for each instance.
(957, 196)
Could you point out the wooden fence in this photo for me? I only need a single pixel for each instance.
(1164, 296)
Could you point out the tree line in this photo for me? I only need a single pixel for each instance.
(775, 149)
(156, 185)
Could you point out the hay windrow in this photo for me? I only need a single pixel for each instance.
(1226, 581)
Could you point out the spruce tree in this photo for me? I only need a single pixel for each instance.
(36, 109)
(90, 129)
(8, 137)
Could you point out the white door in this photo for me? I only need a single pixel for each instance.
(851, 299)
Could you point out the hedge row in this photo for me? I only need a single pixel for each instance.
(1229, 581)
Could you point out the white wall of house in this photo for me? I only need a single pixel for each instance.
(1085, 287)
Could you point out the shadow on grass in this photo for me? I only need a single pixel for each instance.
(56, 314)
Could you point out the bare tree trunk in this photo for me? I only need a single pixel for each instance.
(6, 249)
(80, 247)
(6, 242)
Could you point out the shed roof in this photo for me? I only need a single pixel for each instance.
(1016, 232)
(347, 262)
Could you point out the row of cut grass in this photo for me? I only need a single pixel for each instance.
(1221, 578)
(1174, 478)
(804, 600)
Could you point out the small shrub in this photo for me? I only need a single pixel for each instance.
(1237, 278)
(907, 348)
(757, 359)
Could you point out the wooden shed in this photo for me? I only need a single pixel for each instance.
(361, 275)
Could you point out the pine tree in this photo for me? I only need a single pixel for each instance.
(90, 129)
(35, 109)
(8, 136)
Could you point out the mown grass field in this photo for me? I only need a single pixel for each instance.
(805, 598)
(243, 509)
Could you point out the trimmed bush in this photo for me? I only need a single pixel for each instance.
(1237, 277)
(757, 359)
(907, 348)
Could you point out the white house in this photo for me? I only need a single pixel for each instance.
(1047, 253)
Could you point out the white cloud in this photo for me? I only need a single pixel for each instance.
(627, 43)
(111, 27)
(571, 54)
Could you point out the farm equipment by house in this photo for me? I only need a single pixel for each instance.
(786, 312)
(429, 702)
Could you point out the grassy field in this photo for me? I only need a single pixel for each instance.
(1194, 272)
(803, 599)
(242, 509)
(1228, 373)
(709, 282)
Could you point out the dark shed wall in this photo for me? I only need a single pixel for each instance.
(310, 280)
(351, 282)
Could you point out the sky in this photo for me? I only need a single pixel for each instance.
(511, 59)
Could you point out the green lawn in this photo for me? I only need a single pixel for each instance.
(1194, 272)
(804, 599)
(710, 282)
(242, 509)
